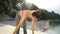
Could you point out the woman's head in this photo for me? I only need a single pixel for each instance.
(36, 13)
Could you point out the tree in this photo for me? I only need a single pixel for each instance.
(31, 6)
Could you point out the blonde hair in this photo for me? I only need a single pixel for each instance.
(36, 11)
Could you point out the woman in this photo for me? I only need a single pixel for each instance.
(33, 15)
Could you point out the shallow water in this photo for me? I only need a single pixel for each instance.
(51, 30)
(54, 30)
(57, 29)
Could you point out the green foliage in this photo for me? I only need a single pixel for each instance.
(6, 7)
(45, 15)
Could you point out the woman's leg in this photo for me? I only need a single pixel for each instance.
(24, 27)
(19, 25)
(17, 18)
(24, 24)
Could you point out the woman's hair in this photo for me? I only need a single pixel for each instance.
(36, 13)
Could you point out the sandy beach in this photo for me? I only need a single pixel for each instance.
(8, 29)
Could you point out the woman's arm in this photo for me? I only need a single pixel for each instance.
(33, 22)
(33, 27)
(19, 25)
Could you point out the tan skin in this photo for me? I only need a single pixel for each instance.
(26, 15)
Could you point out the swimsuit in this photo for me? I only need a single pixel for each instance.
(24, 12)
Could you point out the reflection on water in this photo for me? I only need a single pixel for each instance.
(57, 29)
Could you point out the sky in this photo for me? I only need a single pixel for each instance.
(47, 4)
